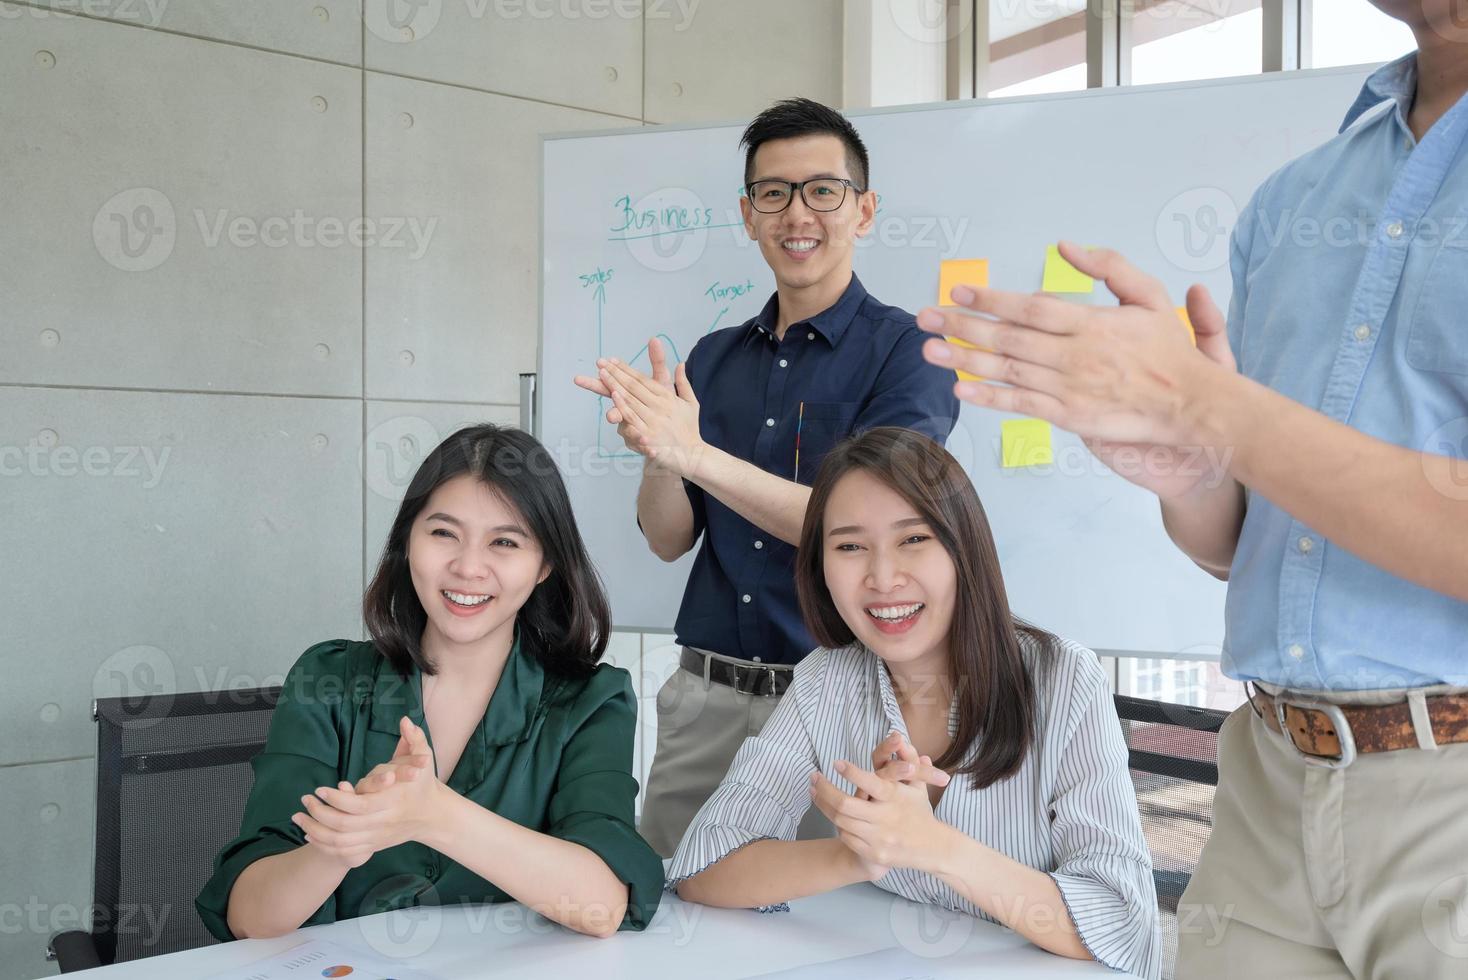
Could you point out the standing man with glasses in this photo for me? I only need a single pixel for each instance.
(729, 469)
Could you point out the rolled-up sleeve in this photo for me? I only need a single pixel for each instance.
(595, 795)
(301, 752)
(766, 791)
(1103, 868)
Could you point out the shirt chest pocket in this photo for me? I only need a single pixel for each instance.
(821, 426)
(1438, 336)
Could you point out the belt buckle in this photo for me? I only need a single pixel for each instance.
(743, 680)
(1337, 718)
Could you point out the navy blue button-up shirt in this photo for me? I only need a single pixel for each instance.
(857, 365)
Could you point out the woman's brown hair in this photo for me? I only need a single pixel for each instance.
(566, 620)
(994, 690)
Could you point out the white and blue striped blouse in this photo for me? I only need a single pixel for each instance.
(1069, 811)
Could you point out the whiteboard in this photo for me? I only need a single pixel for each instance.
(642, 237)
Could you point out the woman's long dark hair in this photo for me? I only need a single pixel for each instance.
(566, 620)
(996, 694)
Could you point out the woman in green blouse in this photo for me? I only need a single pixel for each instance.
(474, 750)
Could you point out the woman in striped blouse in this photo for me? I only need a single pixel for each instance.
(997, 781)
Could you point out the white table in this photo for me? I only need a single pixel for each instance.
(683, 939)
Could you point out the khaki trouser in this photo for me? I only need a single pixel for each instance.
(701, 725)
(1310, 872)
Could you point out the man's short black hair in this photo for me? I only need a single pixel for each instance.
(790, 118)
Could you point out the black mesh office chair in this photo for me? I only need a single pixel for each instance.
(173, 774)
(1174, 764)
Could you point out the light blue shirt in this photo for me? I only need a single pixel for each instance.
(1350, 296)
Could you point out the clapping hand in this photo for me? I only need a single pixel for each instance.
(895, 758)
(390, 805)
(892, 827)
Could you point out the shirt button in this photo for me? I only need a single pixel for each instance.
(784, 363)
(1394, 230)
(759, 544)
(1297, 651)
(746, 597)
(810, 336)
(1363, 333)
(1306, 546)
(769, 423)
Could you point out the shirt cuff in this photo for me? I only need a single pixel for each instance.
(629, 857)
(1111, 930)
(213, 901)
(706, 846)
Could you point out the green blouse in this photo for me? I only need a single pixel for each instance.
(552, 753)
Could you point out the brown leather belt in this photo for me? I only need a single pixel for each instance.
(764, 679)
(1332, 735)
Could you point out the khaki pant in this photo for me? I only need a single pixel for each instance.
(1360, 872)
(701, 725)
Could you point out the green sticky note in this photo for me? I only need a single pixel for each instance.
(1062, 277)
(1026, 443)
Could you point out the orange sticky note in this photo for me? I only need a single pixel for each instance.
(1182, 311)
(1061, 276)
(960, 272)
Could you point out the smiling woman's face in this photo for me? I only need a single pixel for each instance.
(891, 579)
(473, 562)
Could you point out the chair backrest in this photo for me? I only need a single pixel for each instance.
(173, 775)
(1173, 752)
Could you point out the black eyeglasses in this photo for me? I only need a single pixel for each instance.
(820, 194)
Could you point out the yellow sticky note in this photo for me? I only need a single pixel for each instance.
(1062, 277)
(960, 272)
(1026, 443)
(1182, 311)
(964, 375)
